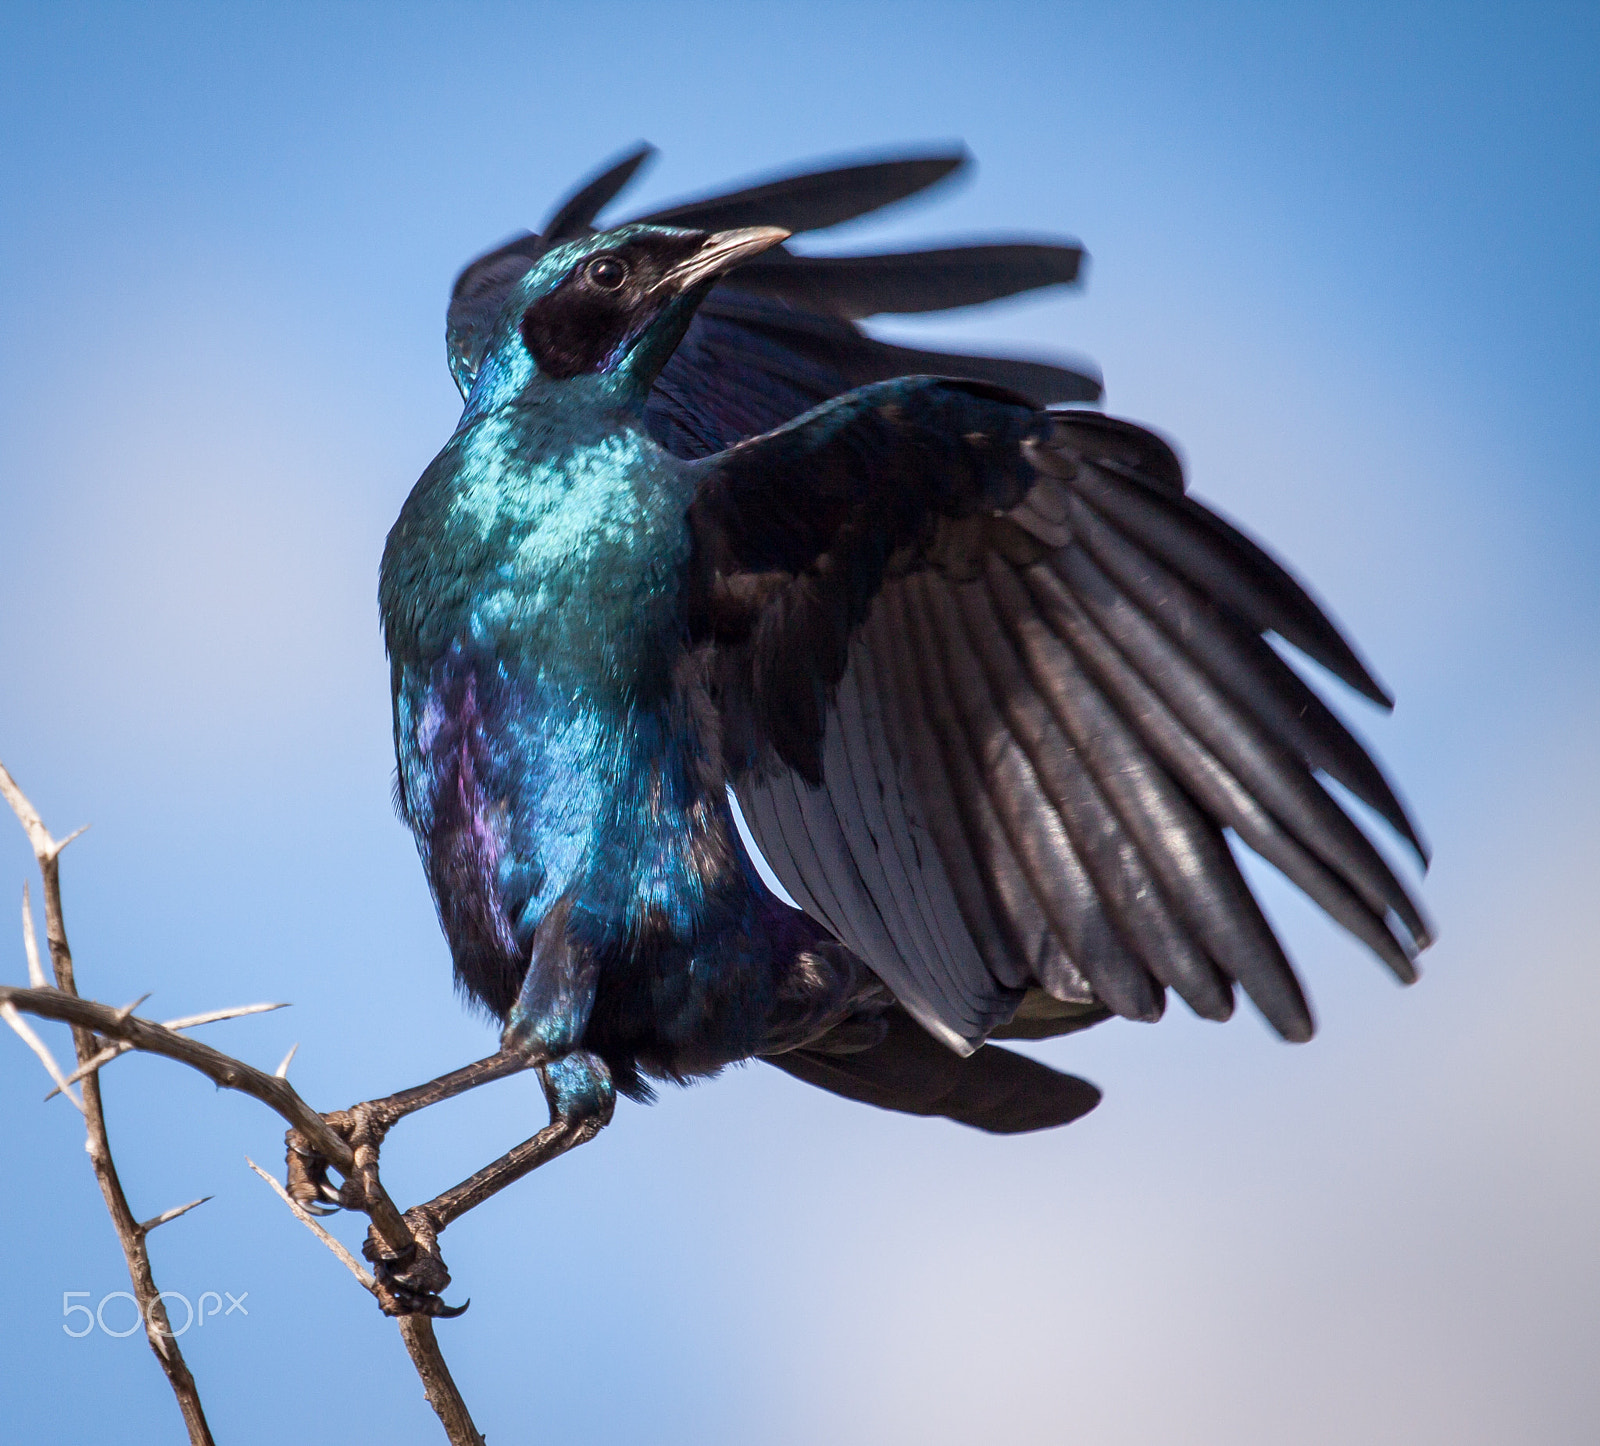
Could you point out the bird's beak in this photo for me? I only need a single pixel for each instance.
(720, 253)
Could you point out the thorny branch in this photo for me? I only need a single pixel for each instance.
(133, 1235)
(100, 1033)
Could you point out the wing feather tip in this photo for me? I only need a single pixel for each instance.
(1296, 1031)
(1219, 1010)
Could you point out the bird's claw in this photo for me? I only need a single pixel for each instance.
(308, 1183)
(411, 1281)
(363, 1128)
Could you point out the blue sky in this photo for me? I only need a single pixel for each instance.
(1345, 259)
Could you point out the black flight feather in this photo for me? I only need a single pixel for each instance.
(924, 646)
(575, 216)
(815, 200)
(911, 281)
(696, 412)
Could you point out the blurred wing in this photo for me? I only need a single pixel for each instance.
(992, 687)
(475, 302)
(816, 200)
(911, 281)
(792, 314)
(574, 217)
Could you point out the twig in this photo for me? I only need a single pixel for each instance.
(437, 1383)
(93, 1023)
(354, 1266)
(222, 1069)
(8, 1012)
(121, 1047)
(27, 815)
(87, 1015)
(415, 1330)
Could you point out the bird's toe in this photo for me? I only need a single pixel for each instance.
(412, 1281)
(307, 1178)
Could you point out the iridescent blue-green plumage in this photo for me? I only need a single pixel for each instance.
(987, 684)
(534, 603)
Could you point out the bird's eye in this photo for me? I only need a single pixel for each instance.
(606, 272)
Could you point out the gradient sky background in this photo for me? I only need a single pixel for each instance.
(1347, 260)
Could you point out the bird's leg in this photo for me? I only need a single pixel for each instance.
(581, 1097)
(545, 1023)
(364, 1126)
(543, 1032)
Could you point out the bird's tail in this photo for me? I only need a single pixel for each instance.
(910, 1071)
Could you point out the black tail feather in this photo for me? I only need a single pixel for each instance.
(911, 1072)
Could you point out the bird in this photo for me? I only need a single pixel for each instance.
(708, 581)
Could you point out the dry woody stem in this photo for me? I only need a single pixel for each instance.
(132, 1235)
(100, 1034)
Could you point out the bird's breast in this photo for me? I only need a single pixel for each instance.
(522, 789)
(532, 605)
(565, 555)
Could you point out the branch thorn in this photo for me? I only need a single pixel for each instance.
(8, 1012)
(30, 943)
(59, 844)
(89, 1066)
(128, 1009)
(215, 1016)
(146, 1226)
(351, 1263)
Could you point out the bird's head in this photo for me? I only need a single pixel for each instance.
(611, 307)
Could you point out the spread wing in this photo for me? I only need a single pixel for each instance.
(993, 688)
(779, 335)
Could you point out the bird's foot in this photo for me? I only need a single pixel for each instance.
(364, 1126)
(412, 1282)
(581, 1096)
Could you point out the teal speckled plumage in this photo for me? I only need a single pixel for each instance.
(529, 532)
